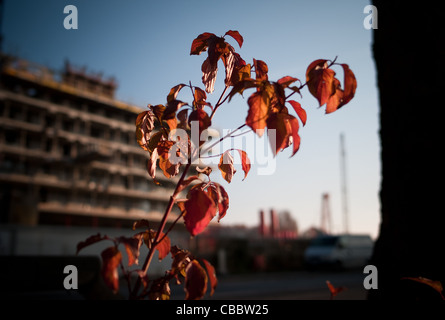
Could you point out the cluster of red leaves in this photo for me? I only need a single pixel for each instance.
(235, 67)
(184, 264)
(157, 133)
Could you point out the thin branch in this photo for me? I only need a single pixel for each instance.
(220, 101)
(226, 136)
(159, 231)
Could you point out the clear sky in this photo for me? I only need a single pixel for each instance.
(145, 45)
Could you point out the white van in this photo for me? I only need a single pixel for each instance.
(339, 251)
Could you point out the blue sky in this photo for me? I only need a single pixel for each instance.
(145, 45)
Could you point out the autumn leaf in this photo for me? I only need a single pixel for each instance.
(299, 110)
(436, 285)
(350, 84)
(163, 246)
(235, 35)
(245, 162)
(295, 136)
(111, 258)
(151, 164)
(326, 88)
(261, 70)
(333, 290)
(132, 246)
(211, 275)
(91, 240)
(143, 223)
(160, 290)
(174, 92)
(195, 281)
(200, 210)
(258, 111)
(202, 117)
(181, 258)
(144, 128)
(320, 80)
(172, 107)
(280, 124)
(226, 166)
(200, 44)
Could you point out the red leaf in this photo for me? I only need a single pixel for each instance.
(209, 72)
(320, 80)
(151, 164)
(235, 35)
(226, 166)
(174, 92)
(202, 117)
(220, 197)
(295, 136)
(326, 88)
(200, 43)
(299, 110)
(132, 246)
(279, 123)
(333, 290)
(212, 275)
(436, 285)
(350, 84)
(144, 127)
(111, 258)
(200, 98)
(286, 81)
(91, 240)
(258, 111)
(195, 281)
(261, 70)
(245, 162)
(163, 247)
(200, 210)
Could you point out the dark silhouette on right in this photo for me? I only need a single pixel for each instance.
(409, 51)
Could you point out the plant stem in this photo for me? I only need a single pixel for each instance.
(160, 229)
(220, 102)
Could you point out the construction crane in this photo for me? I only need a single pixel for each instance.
(344, 189)
(325, 223)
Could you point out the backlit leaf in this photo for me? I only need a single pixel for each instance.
(333, 290)
(320, 80)
(245, 162)
(226, 166)
(174, 92)
(195, 281)
(151, 164)
(299, 110)
(211, 274)
(203, 119)
(258, 111)
(261, 70)
(279, 123)
(209, 72)
(160, 290)
(111, 258)
(236, 35)
(163, 246)
(220, 197)
(200, 45)
(132, 246)
(200, 210)
(295, 136)
(144, 128)
(91, 240)
(436, 285)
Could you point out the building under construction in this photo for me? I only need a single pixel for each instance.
(68, 153)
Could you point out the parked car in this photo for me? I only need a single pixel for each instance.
(339, 251)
